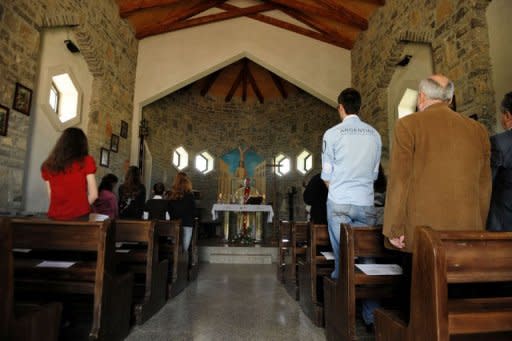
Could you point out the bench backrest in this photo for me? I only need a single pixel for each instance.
(171, 229)
(6, 279)
(318, 241)
(441, 258)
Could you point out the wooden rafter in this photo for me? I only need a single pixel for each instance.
(341, 13)
(344, 43)
(209, 82)
(128, 7)
(245, 69)
(174, 16)
(279, 85)
(230, 14)
(255, 86)
(235, 85)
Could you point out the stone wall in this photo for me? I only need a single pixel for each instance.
(207, 123)
(457, 33)
(109, 47)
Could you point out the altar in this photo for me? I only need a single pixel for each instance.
(230, 230)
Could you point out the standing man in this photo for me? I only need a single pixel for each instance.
(500, 213)
(350, 165)
(440, 173)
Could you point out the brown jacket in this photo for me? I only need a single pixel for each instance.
(439, 176)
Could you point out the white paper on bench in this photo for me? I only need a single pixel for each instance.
(55, 264)
(120, 244)
(22, 250)
(380, 269)
(328, 255)
(123, 250)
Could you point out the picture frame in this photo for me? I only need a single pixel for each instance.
(114, 143)
(104, 157)
(22, 99)
(4, 120)
(124, 129)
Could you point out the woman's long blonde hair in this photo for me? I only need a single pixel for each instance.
(181, 185)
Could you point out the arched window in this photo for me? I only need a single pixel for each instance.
(180, 158)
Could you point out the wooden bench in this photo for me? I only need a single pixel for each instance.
(311, 272)
(283, 248)
(340, 295)
(22, 321)
(297, 252)
(143, 259)
(90, 282)
(177, 278)
(445, 266)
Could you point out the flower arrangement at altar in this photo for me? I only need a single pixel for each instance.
(244, 237)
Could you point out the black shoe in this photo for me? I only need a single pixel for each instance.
(369, 328)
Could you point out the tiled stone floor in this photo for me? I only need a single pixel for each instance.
(230, 302)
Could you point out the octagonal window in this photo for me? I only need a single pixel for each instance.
(283, 164)
(204, 162)
(180, 158)
(304, 162)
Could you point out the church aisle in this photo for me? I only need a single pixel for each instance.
(230, 302)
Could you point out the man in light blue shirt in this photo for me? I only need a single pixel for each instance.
(350, 164)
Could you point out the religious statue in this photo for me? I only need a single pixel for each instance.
(246, 220)
(241, 172)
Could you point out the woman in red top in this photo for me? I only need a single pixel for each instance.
(69, 176)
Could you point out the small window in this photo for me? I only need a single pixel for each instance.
(67, 97)
(180, 158)
(304, 162)
(54, 98)
(283, 164)
(204, 162)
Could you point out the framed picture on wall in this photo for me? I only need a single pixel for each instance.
(4, 120)
(104, 157)
(124, 129)
(22, 99)
(114, 143)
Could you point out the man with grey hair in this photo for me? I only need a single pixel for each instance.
(440, 173)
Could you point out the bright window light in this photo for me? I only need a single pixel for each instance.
(66, 99)
(283, 165)
(180, 158)
(204, 162)
(304, 162)
(54, 98)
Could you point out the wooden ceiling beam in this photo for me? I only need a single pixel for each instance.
(341, 13)
(279, 85)
(345, 43)
(128, 7)
(174, 16)
(255, 86)
(235, 85)
(229, 14)
(244, 80)
(209, 82)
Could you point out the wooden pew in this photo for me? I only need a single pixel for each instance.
(143, 259)
(91, 246)
(177, 280)
(298, 247)
(442, 260)
(311, 272)
(340, 295)
(193, 253)
(22, 321)
(283, 248)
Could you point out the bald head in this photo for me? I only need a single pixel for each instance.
(435, 89)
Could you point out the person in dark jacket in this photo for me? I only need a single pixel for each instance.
(500, 212)
(157, 207)
(182, 205)
(315, 195)
(132, 195)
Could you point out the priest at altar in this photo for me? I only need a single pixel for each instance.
(248, 223)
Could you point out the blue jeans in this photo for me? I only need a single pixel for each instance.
(354, 216)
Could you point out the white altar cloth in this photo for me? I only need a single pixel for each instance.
(242, 208)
